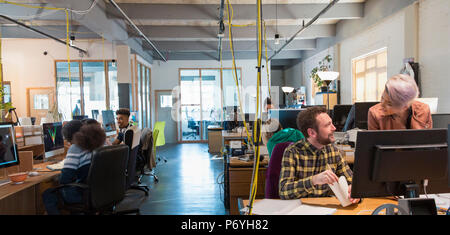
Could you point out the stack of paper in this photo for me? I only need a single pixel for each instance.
(288, 207)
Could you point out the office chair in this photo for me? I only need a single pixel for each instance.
(132, 139)
(193, 126)
(160, 139)
(106, 183)
(273, 171)
(147, 154)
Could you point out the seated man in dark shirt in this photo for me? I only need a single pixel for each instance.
(123, 116)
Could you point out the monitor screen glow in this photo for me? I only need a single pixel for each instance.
(8, 150)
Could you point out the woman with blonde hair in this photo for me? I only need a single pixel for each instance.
(398, 108)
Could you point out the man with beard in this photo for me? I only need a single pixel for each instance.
(309, 165)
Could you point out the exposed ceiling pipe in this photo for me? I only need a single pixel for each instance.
(304, 27)
(42, 33)
(137, 29)
(221, 29)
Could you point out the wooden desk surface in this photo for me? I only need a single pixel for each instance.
(243, 134)
(347, 152)
(366, 207)
(235, 162)
(10, 189)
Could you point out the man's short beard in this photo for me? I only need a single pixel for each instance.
(324, 141)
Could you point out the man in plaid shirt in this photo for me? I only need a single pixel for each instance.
(309, 165)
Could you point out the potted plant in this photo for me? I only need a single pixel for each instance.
(324, 65)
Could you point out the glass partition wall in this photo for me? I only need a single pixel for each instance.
(203, 93)
(92, 86)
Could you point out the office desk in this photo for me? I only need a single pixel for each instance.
(37, 149)
(237, 181)
(214, 139)
(347, 152)
(366, 207)
(26, 198)
(229, 136)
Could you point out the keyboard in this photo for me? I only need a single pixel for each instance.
(57, 166)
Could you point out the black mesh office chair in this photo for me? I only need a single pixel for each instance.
(195, 127)
(132, 179)
(106, 183)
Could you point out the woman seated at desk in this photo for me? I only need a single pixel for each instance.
(398, 109)
(84, 138)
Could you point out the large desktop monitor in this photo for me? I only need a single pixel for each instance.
(8, 148)
(388, 163)
(340, 114)
(53, 139)
(440, 120)
(286, 117)
(95, 114)
(108, 121)
(358, 115)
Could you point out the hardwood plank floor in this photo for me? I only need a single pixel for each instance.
(188, 182)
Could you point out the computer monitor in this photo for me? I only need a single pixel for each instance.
(8, 148)
(286, 117)
(53, 139)
(80, 117)
(95, 114)
(440, 120)
(389, 162)
(340, 114)
(358, 115)
(432, 103)
(109, 124)
(134, 116)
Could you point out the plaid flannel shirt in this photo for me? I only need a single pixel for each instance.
(301, 161)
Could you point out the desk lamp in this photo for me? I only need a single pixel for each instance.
(328, 77)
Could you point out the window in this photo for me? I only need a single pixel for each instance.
(202, 100)
(369, 76)
(41, 101)
(7, 92)
(68, 89)
(92, 86)
(94, 92)
(113, 86)
(166, 101)
(141, 84)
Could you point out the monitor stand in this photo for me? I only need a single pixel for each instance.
(411, 204)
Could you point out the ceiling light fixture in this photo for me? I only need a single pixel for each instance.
(277, 35)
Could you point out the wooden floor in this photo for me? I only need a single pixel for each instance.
(188, 182)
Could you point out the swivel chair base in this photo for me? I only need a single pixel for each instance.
(142, 188)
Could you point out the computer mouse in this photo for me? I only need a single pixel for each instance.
(33, 173)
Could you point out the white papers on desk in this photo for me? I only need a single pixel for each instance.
(441, 200)
(288, 207)
(235, 144)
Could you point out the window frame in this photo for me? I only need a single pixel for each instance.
(377, 70)
(81, 75)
